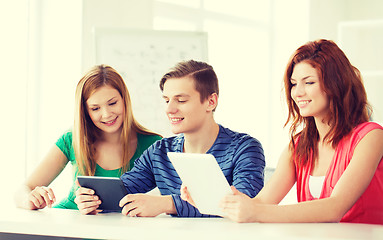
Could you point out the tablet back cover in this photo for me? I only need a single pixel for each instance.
(110, 191)
(204, 179)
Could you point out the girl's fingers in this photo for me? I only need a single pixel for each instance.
(35, 201)
(36, 198)
(88, 207)
(51, 194)
(46, 194)
(83, 190)
(86, 198)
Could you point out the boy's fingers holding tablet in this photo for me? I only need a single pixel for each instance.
(185, 195)
(184, 192)
(235, 191)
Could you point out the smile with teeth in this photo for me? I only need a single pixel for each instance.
(303, 103)
(175, 120)
(111, 122)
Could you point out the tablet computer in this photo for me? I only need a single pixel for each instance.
(110, 190)
(204, 179)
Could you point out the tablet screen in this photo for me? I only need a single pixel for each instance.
(110, 190)
(204, 179)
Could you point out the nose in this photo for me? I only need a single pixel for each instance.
(298, 90)
(106, 113)
(171, 107)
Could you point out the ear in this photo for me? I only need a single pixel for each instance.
(212, 102)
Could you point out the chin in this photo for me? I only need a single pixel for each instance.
(304, 114)
(176, 130)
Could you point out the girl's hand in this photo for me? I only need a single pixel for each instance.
(185, 195)
(40, 197)
(238, 207)
(86, 201)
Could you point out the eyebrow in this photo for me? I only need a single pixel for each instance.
(302, 78)
(178, 95)
(92, 104)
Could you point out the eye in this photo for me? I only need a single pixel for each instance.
(181, 101)
(94, 109)
(112, 103)
(310, 83)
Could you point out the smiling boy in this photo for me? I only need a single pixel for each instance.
(190, 91)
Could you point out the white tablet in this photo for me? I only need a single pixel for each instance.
(204, 179)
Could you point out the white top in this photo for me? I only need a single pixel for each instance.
(315, 185)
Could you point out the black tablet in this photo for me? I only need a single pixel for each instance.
(110, 190)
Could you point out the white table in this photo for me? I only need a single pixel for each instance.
(69, 223)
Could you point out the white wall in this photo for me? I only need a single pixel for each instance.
(13, 80)
(111, 14)
(326, 14)
(291, 29)
(340, 20)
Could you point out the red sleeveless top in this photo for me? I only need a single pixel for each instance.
(369, 207)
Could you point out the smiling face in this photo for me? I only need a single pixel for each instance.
(307, 92)
(106, 109)
(184, 109)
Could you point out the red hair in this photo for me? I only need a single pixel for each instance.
(344, 88)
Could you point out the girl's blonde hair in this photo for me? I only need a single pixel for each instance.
(85, 133)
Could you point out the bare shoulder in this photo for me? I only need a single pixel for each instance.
(373, 141)
(377, 132)
(369, 150)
